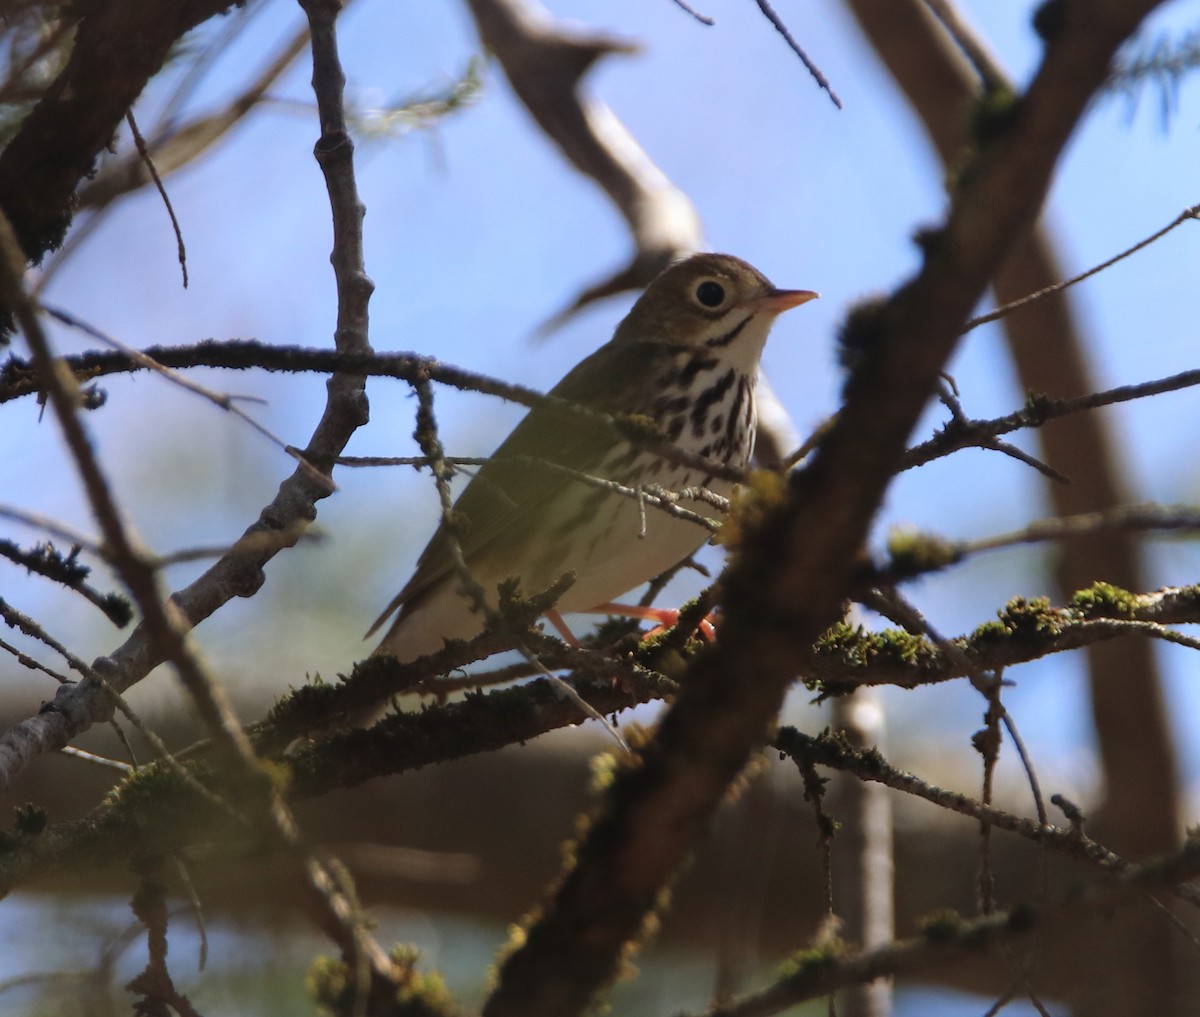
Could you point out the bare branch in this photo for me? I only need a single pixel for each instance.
(702, 18)
(24, 624)
(222, 400)
(95, 759)
(959, 433)
(990, 73)
(24, 659)
(545, 63)
(144, 153)
(115, 51)
(238, 573)
(813, 69)
(799, 564)
(17, 380)
(1186, 215)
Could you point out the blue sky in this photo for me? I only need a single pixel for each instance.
(477, 231)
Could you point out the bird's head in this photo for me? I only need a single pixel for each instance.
(713, 301)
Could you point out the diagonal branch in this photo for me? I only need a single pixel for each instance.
(545, 64)
(1132, 730)
(787, 583)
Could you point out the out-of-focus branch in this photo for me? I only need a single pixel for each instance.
(171, 147)
(863, 867)
(1133, 736)
(181, 145)
(785, 585)
(545, 63)
(46, 560)
(816, 973)
(1050, 359)
(118, 46)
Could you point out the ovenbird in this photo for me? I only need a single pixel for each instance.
(685, 356)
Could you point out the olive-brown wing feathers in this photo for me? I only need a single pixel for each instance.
(534, 463)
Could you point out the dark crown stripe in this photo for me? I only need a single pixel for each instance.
(728, 337)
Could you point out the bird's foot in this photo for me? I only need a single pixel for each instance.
(666, 618)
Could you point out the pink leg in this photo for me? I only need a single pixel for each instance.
(664, 616)
(564, 630)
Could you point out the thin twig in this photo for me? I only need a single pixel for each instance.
(1000, 312)
(814, 794)
(645, 494)
(1035, 785)
(1021, 456)
(427, 437)
(54, 528)
(127, 745)
(889, 601)
(810, 443)
(704, 19)
(813, 69)
(144, 153)
(1156, 631)
(832, 751)
(23, 623)
(222, 400)
(16, 380)
(1039, 410)
(1123, 518)
(95, 758)
(914, 553)
(30, 662)
(197, 908)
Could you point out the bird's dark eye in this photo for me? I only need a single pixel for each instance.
(710, 294)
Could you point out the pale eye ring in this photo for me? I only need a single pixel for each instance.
(710, 293)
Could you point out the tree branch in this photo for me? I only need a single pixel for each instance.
(818, 972)
(785, 586)
(238, 573)
(118, 47)
(545, 64)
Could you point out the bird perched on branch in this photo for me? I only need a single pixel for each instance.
(549, 499)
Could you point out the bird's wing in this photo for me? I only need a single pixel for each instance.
(499, 500)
